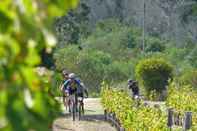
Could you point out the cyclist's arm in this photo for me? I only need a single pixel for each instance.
(84, 89)
(65, 85)
(61, 86)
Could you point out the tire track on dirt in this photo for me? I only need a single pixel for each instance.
(92, 121)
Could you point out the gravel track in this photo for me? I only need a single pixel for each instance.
(92, 121)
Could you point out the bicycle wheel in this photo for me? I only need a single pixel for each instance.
(80, 106)
(83, 108)
(80, 111)
(73, 111)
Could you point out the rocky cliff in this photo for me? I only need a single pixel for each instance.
(169, 19)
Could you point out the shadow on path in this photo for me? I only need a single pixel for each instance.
(63, 128)
(93, 118)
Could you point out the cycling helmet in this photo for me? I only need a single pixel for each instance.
(72, 75)
(64, 72)
(130, 81)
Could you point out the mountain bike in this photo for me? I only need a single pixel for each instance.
(72, 105)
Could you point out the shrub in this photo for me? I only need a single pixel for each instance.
(153, 74)
(189, 78)
(155, 45)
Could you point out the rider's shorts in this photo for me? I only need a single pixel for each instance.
(70, 91)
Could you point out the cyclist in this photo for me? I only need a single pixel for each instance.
(80, 95)
(81, 90)
(74, 86)
(133, 85)
(70, 85)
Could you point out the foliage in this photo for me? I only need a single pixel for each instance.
(154, 73)
(189, 77)
(132, 118)
(56, 81)
(183, 98)
(115, 38)
(66, 58)
(104, 55)
(25, 29)
(176, 54)
(118, 71)
(154, 45)
(91, 67)
(74, 25)
(192, 57)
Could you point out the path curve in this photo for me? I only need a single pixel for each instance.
(92, 121)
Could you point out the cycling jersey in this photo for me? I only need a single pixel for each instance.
(71, 86)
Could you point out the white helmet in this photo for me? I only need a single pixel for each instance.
(72, 75)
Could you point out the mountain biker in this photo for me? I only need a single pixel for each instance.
(81, 90)
(71, 85)
(74, 86)
(133, 85)
(80, 95)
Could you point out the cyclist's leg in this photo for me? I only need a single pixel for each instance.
(82, 104)
(68, 102)
(72, 106)
(76, 102)
(64, 99)
(81, 101)
(74, 99)
(67, 99)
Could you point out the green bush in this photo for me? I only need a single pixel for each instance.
(189, 77)
(153, 74)
(154, 45)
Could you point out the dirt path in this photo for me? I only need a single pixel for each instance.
(92, 121)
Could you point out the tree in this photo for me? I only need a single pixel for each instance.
(73, 25)
(153, 74)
